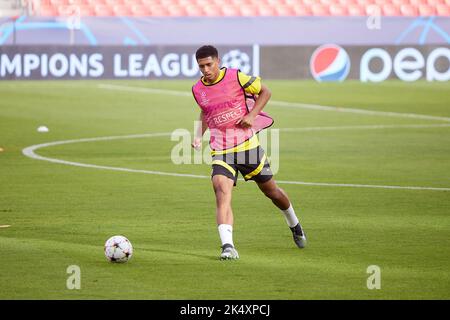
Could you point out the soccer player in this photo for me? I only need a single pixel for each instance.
(231, 104)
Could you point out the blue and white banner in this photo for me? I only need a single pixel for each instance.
(110, 62)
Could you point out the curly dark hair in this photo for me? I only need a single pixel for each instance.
(206, 51)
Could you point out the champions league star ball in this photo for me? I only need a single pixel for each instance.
(237, 59)
(118, 249)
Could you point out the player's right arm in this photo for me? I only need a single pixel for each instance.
(200, 132)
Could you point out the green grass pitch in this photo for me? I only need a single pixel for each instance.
(61, 215)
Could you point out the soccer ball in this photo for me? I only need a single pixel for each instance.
(237, 59)
(118, 249)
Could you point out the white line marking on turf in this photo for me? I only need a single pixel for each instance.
(5, 226)
(144, 90)
(361, 185)
(368, 127)
(30, 152)
(360, 111)
(283, 103)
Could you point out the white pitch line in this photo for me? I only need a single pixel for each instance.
(144, 90)
(352, 185)
(369, 127)
(30, 152)
(284, 103)
(360, 111)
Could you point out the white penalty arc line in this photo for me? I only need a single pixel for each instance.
(283, 103)
(30, 152)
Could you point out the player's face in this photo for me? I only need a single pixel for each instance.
(210, 68)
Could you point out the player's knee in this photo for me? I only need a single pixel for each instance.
(273, 193)
(220, 190)
(221, 193)
(223, 198)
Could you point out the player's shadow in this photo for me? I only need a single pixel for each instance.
(185, 253)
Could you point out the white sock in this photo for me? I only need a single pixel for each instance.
(226, 233)
(289, 215)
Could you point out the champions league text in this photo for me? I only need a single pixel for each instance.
(94, 65)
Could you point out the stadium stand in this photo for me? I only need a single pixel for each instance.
(230, 8)
(11, 8)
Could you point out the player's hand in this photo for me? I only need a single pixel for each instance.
(197, 144)
(246, 121)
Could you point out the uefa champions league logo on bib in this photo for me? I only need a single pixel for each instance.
(237, 59)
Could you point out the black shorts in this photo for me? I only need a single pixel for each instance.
(252, 164)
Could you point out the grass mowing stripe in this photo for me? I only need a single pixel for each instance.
(30, 152)
(285, 103)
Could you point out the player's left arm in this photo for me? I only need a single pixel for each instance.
(261, 101)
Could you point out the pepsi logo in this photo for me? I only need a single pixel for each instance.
(329, 62)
